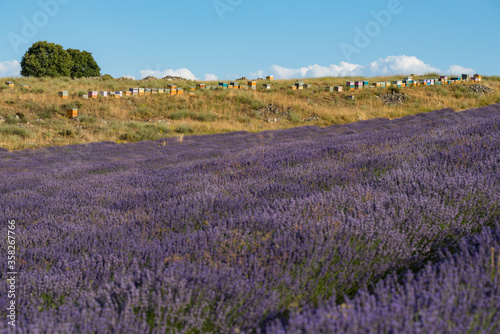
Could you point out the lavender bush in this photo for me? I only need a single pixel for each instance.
(239, 232)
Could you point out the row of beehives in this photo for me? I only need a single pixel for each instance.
(408, 81)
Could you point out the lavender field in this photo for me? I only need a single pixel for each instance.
(375, 226)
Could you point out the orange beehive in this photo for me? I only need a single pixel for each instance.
(192, 93)
(72, 112)
(192, 89)
(10, 84)
(173, 91)
(180, 91)
(252, 84)
(293, 87)
(230, 86)
(270, 77)
(64, 95)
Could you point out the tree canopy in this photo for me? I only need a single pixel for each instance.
(84, 65)
(45, 59)
(51, 60)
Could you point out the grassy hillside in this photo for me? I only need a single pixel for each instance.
(35, 117)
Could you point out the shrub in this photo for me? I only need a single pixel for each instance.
(184, 129)
(14, 130)
(142, 112)
(394, 90)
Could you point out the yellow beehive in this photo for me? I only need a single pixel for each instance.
(171, 87)
(252, 84)
(10, 84)
(192, 93)
(293, 87)
(173, 91)
(270, 77)
(230, 86)
(180, 91)
(141, 91)
(192, 89)
(127, 93)
(72, 112)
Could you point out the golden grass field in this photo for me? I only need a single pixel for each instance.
(36, 117)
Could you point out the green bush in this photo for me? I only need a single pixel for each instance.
(393, 90)
(293, 117)
(205, 117)
(66, 133)
(14, 130)
(87, 119)
(142, 112)
(184, 129)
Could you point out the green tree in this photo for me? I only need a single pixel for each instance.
(45, 59)
(84, 64)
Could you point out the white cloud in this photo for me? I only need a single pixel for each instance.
(10, 68)
(391, 65)
(258, 74)
(181, 72)
(400, 65)
(129, 77)
(457, 70)
(210, 77)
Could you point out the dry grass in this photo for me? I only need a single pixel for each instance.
(43, 122)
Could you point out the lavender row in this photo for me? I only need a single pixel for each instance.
(230, 232)
(459, 294)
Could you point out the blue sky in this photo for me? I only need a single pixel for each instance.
(226, 39)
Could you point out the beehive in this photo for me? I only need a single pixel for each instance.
(25, 86)
(366, 83)
(103, 93)
(234, 84)
(477, 76)
(350, 97)
(180, 91)
(223, 84)
(329, 89)
(307, 86)
(407, 79)
(201, 86)
(72, 112)
(141, 91)
(338, 88)
(270, 77)
(127, 93)
(118, 94)
(266, 86)
(154, 91)
(465, 77)
(242, 87)
(64, 94)
(358, 84)
(293, 87)
(378, 84)
(85, 96)
(230, 86)
(252, 84)
(134, 91)
(173, 91)
(192, 89)
(161, 90)
(10, 84)
(148, 91)
(192, 93)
